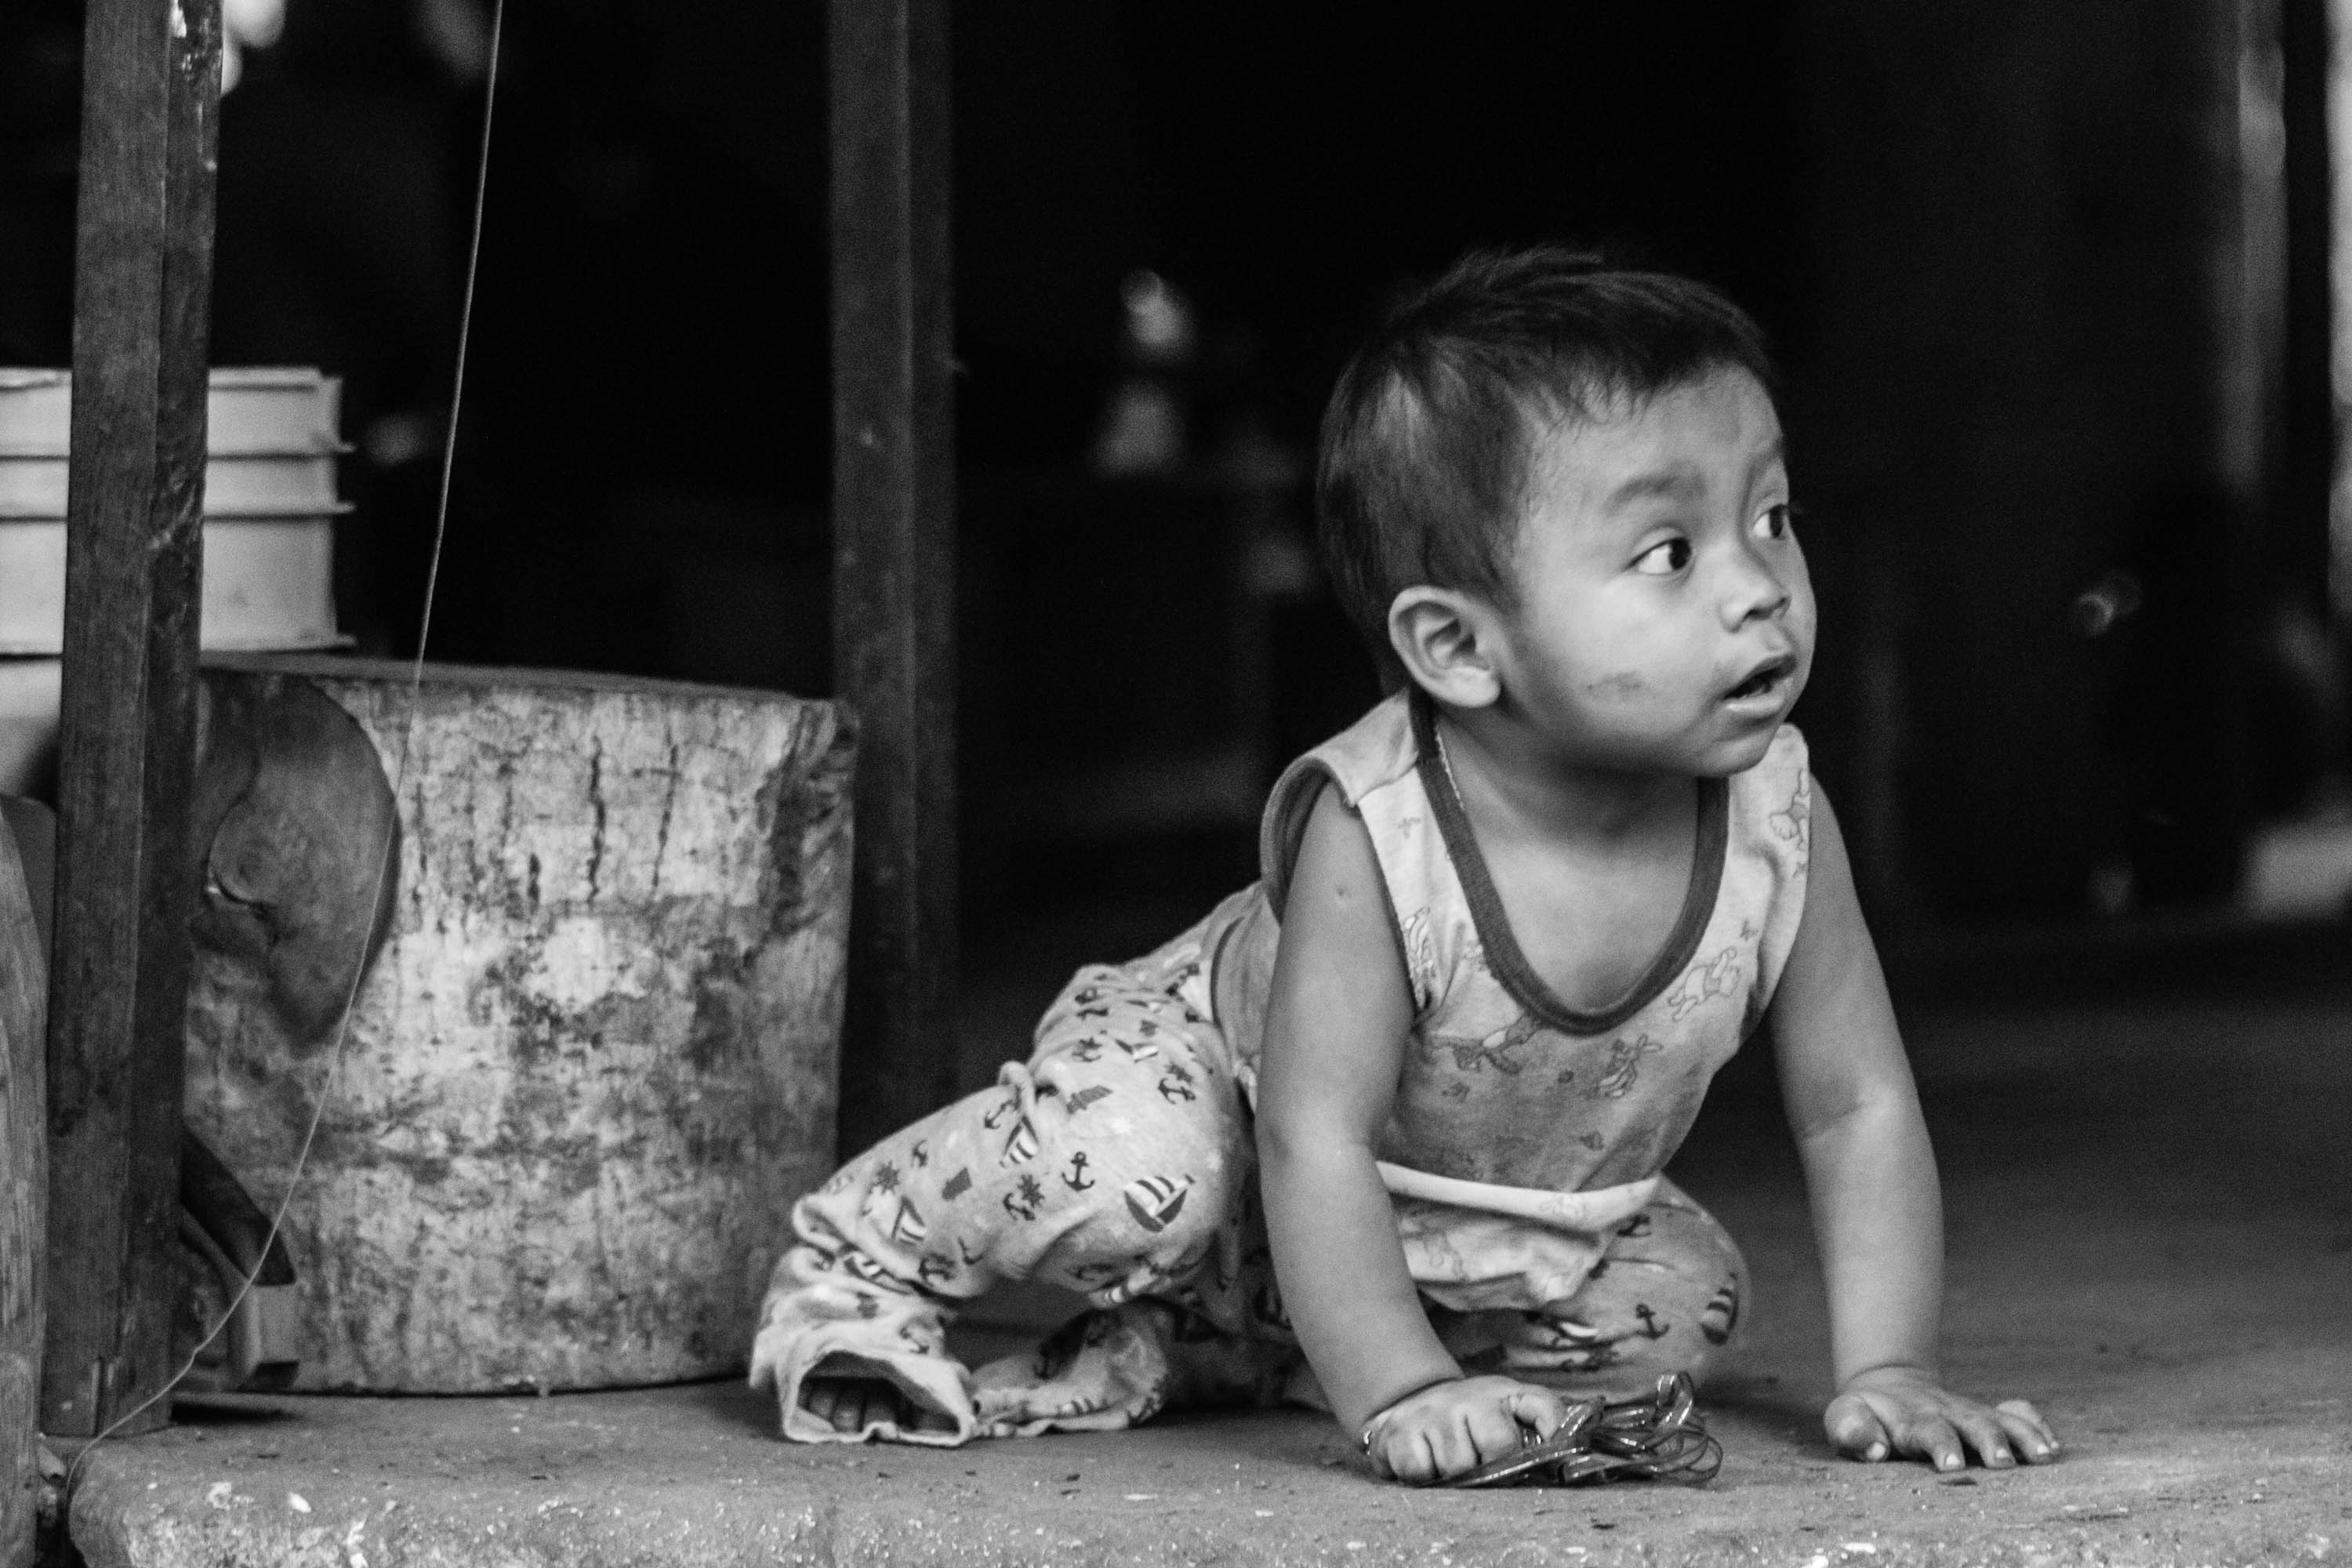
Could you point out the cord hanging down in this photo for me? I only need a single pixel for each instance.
(400, 769)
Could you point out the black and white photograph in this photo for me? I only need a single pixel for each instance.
(897, 782)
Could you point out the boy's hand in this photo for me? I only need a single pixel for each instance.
(1902, 1410)
(1452, 1427)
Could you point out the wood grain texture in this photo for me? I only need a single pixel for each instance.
(24, 1201)
(894, 547)
(593, 1063)
(127, 736)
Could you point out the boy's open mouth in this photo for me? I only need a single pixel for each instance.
(1764, 681)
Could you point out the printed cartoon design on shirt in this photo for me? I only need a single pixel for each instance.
(907, 1226)
(1719, 976)
(1429, 1246)
(1623, 1067)
(1477, 1053)
(1420, 958)
(1794, 821)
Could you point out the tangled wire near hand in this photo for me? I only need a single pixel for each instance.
(1661, 1438)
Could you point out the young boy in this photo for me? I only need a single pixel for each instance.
(1384, 1132)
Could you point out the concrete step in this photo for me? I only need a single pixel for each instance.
(693, 1477)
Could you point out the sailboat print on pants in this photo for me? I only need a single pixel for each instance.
(1155, 1201)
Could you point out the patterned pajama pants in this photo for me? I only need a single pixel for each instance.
(1118, 1162)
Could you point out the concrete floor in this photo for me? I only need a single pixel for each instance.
(2147, 1157)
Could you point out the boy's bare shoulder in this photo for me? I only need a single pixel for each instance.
(1339, 1008)
(1335, 909)
(1335, 856)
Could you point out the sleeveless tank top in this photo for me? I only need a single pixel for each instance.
(1503, 1084)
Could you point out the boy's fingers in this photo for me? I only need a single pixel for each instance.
(2032, 1440)
(1539, 1408)
(1405, 1456)
(2016, 1410)
(1933, 1439)
(1481, 1434)
(1399, 1457)
(1988, 1438)
(1854, 1429)
(1453, 1448)
(1493, 1431)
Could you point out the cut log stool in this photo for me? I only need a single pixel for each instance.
(595, 1061)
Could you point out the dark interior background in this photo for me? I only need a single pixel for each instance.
(2049, 283)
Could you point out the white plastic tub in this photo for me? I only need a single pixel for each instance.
(256, 410)
(28, 720)
(255, 486)
(269, 584)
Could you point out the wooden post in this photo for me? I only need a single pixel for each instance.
(23, 1201)
(118, 982)
(894, 550)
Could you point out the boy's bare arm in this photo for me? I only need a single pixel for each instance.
(1871, 1176)
(1335, 1038)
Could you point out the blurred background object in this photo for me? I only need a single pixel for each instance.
(2054, 288)
(270, 504)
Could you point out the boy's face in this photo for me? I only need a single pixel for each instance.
(1664, 619)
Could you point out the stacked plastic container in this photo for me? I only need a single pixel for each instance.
(269, 511)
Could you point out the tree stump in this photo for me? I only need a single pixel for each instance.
(595, 1061)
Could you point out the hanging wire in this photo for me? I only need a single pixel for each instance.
(385, 864)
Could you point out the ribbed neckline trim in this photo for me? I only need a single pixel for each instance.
(1504, 957)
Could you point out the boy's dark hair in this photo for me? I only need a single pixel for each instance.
(1425, 442)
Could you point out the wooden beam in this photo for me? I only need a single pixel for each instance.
(894, 550)
(118, 980)
(23, 1201)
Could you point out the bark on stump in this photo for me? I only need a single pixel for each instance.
(595, 1061)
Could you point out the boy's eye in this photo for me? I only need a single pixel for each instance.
(1775, 521)
(1664, 559)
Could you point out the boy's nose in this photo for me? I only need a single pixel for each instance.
(1755, 591)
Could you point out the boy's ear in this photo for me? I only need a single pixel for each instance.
(1446, 640)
